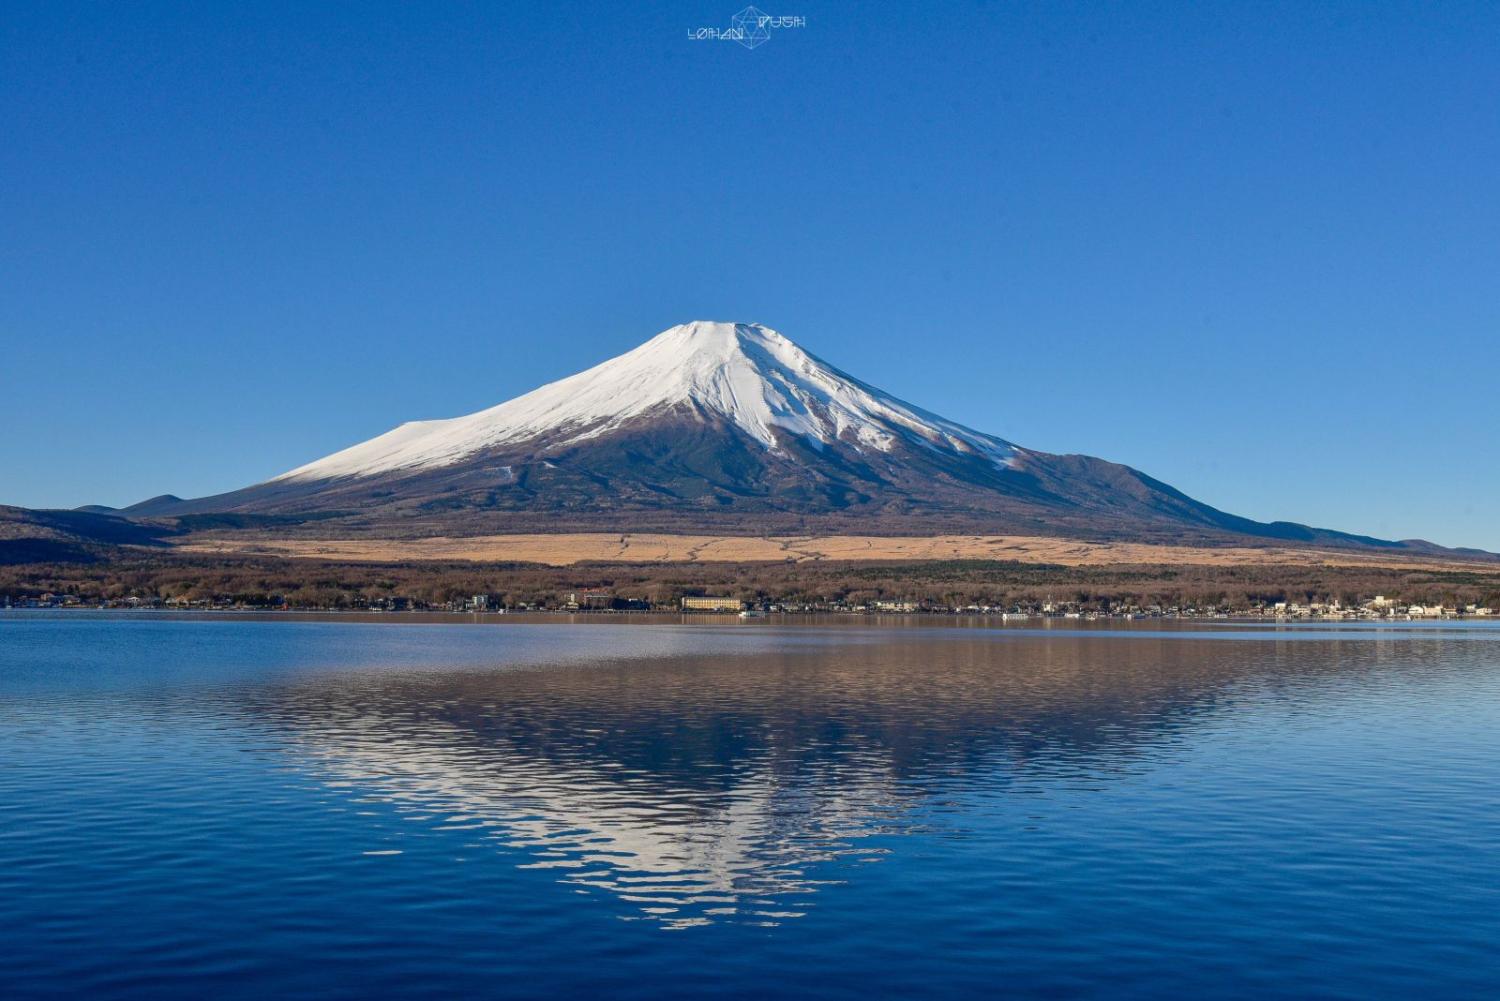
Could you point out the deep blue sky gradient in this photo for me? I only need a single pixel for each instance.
(1251, 249)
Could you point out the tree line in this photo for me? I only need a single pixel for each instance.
(267, 582)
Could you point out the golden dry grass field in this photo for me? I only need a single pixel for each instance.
(564, 550)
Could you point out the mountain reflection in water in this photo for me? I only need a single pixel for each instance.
(734, 785)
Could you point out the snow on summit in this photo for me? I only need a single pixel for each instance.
(748, 374)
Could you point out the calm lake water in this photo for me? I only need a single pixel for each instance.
(278, 807)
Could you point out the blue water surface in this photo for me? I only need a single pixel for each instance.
(291, 807)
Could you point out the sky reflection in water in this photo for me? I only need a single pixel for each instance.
(1047, 801)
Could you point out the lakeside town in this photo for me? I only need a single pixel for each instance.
(1377, 608)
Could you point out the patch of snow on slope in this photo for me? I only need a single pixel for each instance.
(748, 373)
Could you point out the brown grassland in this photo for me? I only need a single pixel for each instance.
(91, 557)
(559, 550)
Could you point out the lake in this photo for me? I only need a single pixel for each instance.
(281, 806)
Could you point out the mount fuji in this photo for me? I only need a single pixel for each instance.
(719, 426)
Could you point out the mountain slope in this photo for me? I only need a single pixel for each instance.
(727, 427)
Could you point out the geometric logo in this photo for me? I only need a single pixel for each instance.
(752, 27)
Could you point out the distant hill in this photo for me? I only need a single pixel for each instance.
(29, 536)
(145, 508)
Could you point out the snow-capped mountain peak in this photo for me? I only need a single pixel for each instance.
(719, 428)
(747, 374)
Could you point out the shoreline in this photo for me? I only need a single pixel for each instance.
(664, 617)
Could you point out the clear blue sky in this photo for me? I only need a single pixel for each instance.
(1250, 248)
